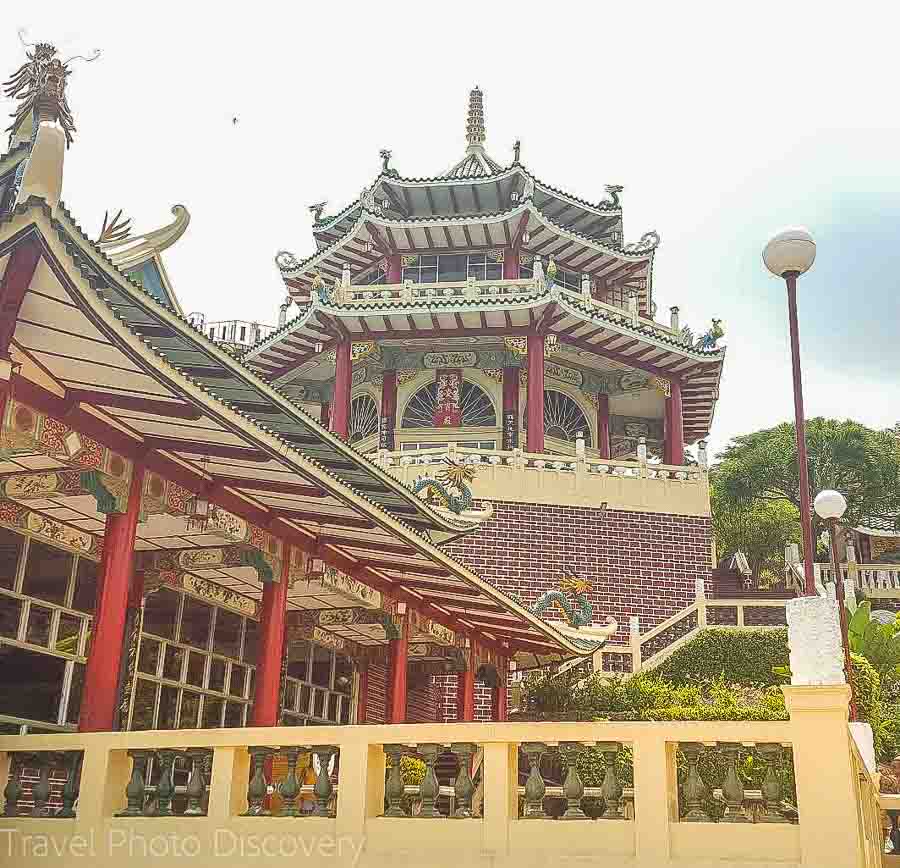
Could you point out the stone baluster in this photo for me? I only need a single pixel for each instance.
(463, 787)
(573, 788)
(611, 788)
(40, 792)
(732, 788)
(429, 789)
(196, 786)
(70, 790)
(165, 788)
(694, 790)
(289, 788)
(13, 790)
(323, 789)
(256, 788)
(534, 786)
(136, 789)
(394, 787)
(771, 785)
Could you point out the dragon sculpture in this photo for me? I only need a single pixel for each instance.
(578, 612)
(439, 490)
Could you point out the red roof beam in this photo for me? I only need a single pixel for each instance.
(16, 280)
(169, 409)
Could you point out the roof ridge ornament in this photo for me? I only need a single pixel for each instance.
(614, 190)
(475, 131)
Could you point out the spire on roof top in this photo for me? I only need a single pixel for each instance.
(475, 134)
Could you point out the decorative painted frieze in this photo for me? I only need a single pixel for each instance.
(662, 385)
(268, 567)
(360, 350)
(105, 474)
(420, 626)
(565, 375)
(351, 588)
(204, 589)
(332, 618)
(451, 359)
(19, 517)
(359, 376)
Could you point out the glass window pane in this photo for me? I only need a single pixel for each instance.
(43, 675)
(160, 611)
(290, 694)
(144, 703)
(428, 260)
(10, 551)
(333, 701)
(148, 657)
(190, 708)
(234, 714)
(212, 712)
(68, 633)
(452, 267)
(38, 631)
(238, 678)
(305, 696)
(251, 641)
(428, 275)
(493, 271)
(168, 705)
(319, 704)
(10, 614)
(321, 667)
(196, 669)
(227, 639)
(217, 675)
(298, 660)
(196, 619)
(74, 707)
(173, 662)
(47, 572)
(84, 599)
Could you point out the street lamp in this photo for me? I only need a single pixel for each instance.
(790, 253)
(830, 506)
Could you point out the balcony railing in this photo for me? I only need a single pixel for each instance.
(234, 796)
(528, 477)
(472, 290)
(878, 581)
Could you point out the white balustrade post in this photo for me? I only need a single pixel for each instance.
(814, 641)
(642, 456)
(655, 798)
(700, 600)
(228, 784)
(500, 776)
(674, 324)
(634, 640)
(360, 789)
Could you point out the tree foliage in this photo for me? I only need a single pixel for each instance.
(861, 463)
(760, 529)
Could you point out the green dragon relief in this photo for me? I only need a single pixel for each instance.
(438, 490)
(578, 611)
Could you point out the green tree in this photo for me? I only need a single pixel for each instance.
(760, 529)
(861, 463)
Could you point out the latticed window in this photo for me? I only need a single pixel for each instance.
(363, 418)
(372, 277)
(445, 267)
(563, 418)
(475, 406)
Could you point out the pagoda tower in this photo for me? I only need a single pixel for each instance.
(486, 317)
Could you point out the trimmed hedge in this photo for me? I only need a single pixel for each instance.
(739, 657)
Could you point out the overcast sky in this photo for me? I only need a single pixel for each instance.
(722, 126)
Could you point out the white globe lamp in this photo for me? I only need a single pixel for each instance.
(792, 250)
(830, 505)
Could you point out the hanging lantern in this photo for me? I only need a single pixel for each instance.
(199, 512)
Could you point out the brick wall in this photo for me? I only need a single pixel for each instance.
(641, 563)
(376, 707)
(422, 703)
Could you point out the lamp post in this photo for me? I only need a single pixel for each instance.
(830, 506)
(788, 254)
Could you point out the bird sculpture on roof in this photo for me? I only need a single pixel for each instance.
(708, 340)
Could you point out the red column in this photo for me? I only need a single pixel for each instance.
(500, 696)
(362, 694)
(394, 269)
(267, 686)
(534, 441)
(465, 696)
(340, 409)
(325, 414)
(510, 408)
(603, 425)
(101, 678)
(674, 447)
(510, 263)
(388, 411)
(399, 653)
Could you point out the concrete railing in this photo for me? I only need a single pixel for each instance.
(648, 650)
(224, 813)
(563, 479)
(878, 581)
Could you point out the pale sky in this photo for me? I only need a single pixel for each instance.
(723, 123)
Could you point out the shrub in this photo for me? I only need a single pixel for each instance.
(740, 657)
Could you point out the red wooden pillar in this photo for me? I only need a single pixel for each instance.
(399, 659)
(362, 693)
(510, 408)
(500, 697)
(101, 678)
(674, 446)
(603, 425)
(534, 441)
(510, 263)
(465, 694)
(325, 414)
(388, 411)
(394, 269)
(267, 686)
(340, 409)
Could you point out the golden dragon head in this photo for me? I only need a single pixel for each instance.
(456, 474)
(569, 583)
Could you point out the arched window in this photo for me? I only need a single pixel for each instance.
(363, 418)
(563, 418)
(477, 408)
